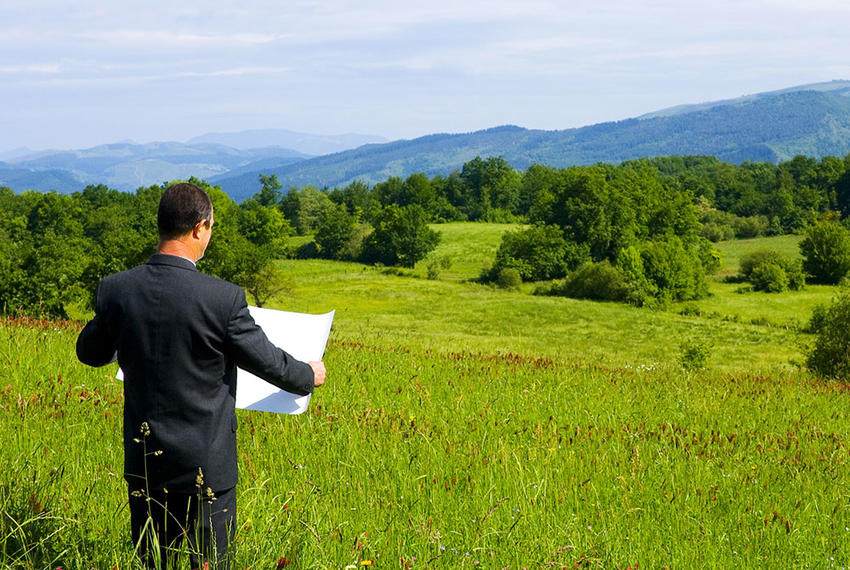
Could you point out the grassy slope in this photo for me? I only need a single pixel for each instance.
(378, 306)
(733, 300)
(591, 448)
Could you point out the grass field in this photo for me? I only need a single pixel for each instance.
(464, 426)
(736, 301)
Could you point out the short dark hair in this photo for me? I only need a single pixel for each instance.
(181, 207)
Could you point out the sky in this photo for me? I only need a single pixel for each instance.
(88, 72)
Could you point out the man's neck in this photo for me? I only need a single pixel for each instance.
(177, 248)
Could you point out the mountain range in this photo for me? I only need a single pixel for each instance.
(812, 120)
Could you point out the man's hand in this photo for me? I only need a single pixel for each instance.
(318, 372)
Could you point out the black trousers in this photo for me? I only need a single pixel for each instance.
(165, 519)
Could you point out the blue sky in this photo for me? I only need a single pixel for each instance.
(73, 75)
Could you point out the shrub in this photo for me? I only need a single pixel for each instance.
(509, 278)
(796, 277)
(690, 309)
(675, 270)
(694, 354)
(753, 226)
(770, 271)
(769, 277)
(715, 232)
(830, 355)
(435, 265)
(716, 225)
(826, 252)
(631, 265)
(755, 258)
(599, 281)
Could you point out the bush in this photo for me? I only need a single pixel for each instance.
(830, 355)
(717, 225)
(675, 270)
(640, 288)
(796, 277)
(690, 309)
(694, 355)
(770, 271)
(716, 232)
(435, 265)
(753, 226)
(826, 252)
(770, 278)
(509, 278)
(755, 258)
(599, 281)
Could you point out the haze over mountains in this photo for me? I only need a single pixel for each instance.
(813, 120)
(301, 142)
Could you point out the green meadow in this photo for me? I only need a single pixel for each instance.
(466, 426)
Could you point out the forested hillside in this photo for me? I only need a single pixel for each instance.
(768, 129)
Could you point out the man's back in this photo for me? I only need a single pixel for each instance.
(179, 335)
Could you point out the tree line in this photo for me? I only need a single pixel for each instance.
(639, 232)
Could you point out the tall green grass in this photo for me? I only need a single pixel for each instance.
(456, 459)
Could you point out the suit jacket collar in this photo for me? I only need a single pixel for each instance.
(172, 260)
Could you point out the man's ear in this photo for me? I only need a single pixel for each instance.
(196, 231)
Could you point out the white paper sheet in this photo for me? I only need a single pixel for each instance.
(302, 335)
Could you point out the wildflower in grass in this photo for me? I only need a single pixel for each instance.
(367, 562)
(284, 561)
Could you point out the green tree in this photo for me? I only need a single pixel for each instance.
(826, 252)
(401, 236)
(358, 199)
(537, 253)
(269, 194)
(334, 233)
(304, 208)
(829, 355)
(491, 185)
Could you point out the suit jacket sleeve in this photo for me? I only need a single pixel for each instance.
(97, 342)
(254, 352)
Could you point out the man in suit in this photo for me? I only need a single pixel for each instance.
(179, 335)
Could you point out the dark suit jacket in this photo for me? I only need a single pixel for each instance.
(179, 336)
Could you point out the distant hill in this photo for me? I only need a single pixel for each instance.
(812, 120)
(27, 179)
(768, 127)
(127, 166)
(302, 142)
(837, 86)
(15, 153)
